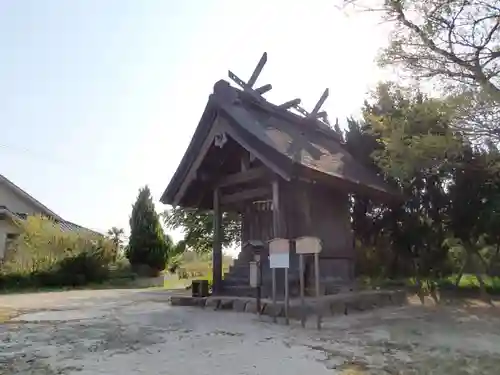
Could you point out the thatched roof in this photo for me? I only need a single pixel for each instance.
(290, 145)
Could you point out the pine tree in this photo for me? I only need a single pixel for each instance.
(147, 244)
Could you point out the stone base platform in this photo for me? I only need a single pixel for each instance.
(338, 304)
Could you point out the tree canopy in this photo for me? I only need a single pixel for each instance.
(456, 42)
(197, 228)
(147, 245)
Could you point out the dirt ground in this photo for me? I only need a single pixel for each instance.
(136, 332)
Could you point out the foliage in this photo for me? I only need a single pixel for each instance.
(116, 234)
(192, 264)
(454, 41)
(147, 246)
(451, 190)
(45, 255)
(197, 227)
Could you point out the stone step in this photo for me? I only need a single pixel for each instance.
(236, 281)
(240, 291)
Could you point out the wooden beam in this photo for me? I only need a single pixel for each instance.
(217, 244)
(249, 175)
(290, 103)
(255, 95)
(263, 89)
(245, 195)
(276, 210)
(320, 103)
(258, 70)
(193, 169)
(266, 161)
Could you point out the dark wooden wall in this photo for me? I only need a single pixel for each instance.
(308, 210)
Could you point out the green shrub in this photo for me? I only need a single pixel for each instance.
(45, 256)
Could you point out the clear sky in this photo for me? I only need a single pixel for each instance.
(100, 97)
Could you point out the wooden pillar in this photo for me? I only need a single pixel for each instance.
(217, 244)
(276, 210)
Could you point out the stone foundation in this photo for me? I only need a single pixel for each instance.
(340, 304)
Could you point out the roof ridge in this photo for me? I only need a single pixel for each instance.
(266, 105)
(28, 196)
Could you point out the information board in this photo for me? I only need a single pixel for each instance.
(279, 253)
(307, 245)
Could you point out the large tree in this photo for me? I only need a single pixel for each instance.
(116, 234)
(414, 143)
(197, 227)
(456, 42)
(147, 245)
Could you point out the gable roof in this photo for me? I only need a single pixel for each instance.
(288, 144)
(23, 194)
(63, 224)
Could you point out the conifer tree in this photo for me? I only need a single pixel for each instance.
(147, 244)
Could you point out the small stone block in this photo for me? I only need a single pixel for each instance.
(351, 307)
(226, 304)
(381, 300)
(212, 303)
(371, 301)
(272, 310)
(338, 308)
(295, 312)
(251, 307)
(366, 303)
(239, 305)
(175, 301)
(386, 299)
(399, 297)
(323, 309)
(185, 301)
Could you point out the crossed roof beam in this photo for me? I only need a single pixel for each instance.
(294, 104)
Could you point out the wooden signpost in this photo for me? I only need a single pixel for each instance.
(308, 245)
(279, 257)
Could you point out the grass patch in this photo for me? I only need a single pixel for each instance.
(468, 283)
(6, 314)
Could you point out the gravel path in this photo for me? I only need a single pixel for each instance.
(136, 332)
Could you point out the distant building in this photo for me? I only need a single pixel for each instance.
(16, 204)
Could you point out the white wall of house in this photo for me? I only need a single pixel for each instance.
(17, 204)
(6, 227)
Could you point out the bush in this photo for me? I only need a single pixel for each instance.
(45, 256)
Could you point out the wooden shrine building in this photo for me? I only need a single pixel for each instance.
(284, 170)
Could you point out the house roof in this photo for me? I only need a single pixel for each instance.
(23, 194)
(285, 142)
(44, 210)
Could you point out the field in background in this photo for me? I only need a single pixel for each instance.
(192, 266)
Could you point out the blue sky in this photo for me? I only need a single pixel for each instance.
(100, 97)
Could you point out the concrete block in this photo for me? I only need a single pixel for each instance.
(226, 304)
(295, 311)
(272, 310)
(352, 306)
(337, 308)
(251, 307)
(323, 309)
(212, 303)
(399, 298)
(186, 301)
(239, 305)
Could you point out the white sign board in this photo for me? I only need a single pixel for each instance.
(279, 260)
(279, 253)
(307, 245)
